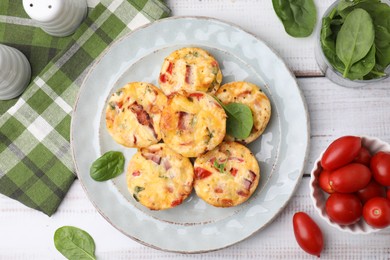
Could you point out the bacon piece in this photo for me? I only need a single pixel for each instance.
(153, 157)
(218, 190)
(244, 93)
(170, 67)
(136, 173)
(252, 175)
(201, 173)
(188, 74)
(120, 104)
(236, 159)
(167, 165)
(176, 202)
(181, 122)
(196, 95)
(227, 202)
(142, 116)
(247, 184)
(243, 193)
(233, 171)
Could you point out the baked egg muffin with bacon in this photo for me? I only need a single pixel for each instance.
(133, 114)
(192, 123)
(159, 178)
(190, 69)
(226, 176)
(252, 96)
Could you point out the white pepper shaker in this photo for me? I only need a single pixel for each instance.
(57, 17)
(15, 72)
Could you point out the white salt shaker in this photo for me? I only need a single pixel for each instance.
(57, 17)
(15, 72)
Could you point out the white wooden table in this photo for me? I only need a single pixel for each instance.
(333, 110)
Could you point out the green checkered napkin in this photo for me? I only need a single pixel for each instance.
(36, 167)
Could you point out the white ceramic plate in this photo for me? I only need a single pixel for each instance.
(281, 151)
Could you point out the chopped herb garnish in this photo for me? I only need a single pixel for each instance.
(220, 166)
(112, 104)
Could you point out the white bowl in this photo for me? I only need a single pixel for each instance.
(319, 197)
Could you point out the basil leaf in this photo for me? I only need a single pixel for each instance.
(108, 166)
(298, 16)
(74, 243)
(355, 38)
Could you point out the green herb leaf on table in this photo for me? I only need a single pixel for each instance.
(108, 166)
(239, 121)
(74, 243)
(355, 38)
(299, 17)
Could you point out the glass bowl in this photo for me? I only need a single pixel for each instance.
(328, 70)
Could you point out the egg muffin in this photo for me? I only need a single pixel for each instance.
(159, 178)
(226, 176)
(133, 114)
(192, 123)
(190, 69)
(252, 96)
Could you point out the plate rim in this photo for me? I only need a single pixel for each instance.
(203, 18)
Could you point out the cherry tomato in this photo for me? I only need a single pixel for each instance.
(340, 152)
(380, 167)
(372, 190)
(363, 157)
(350, 178)
(344, 208)
(388, 194)
(323, 180)
(308, 234)
(376, 212)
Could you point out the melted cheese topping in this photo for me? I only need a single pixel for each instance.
(226, 176)
(133, 114)
(252, 96)
(190, 69)
(159, 178)
(192, 123)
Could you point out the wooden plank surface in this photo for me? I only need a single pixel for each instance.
(333, 110)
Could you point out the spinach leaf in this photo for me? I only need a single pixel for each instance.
(298, 16)
(355, 38)
(344, 5)
(108, 166)
(363, 66)
(239, 121)
(380, 14)
(74, 243)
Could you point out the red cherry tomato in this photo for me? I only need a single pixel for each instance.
(388, 194)
(308, 234)
(323, 180)
(376, 212)
(380, 167)
(340, 152)
(350, 178)
(363, 157)
(344, 208)
(372, 190)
